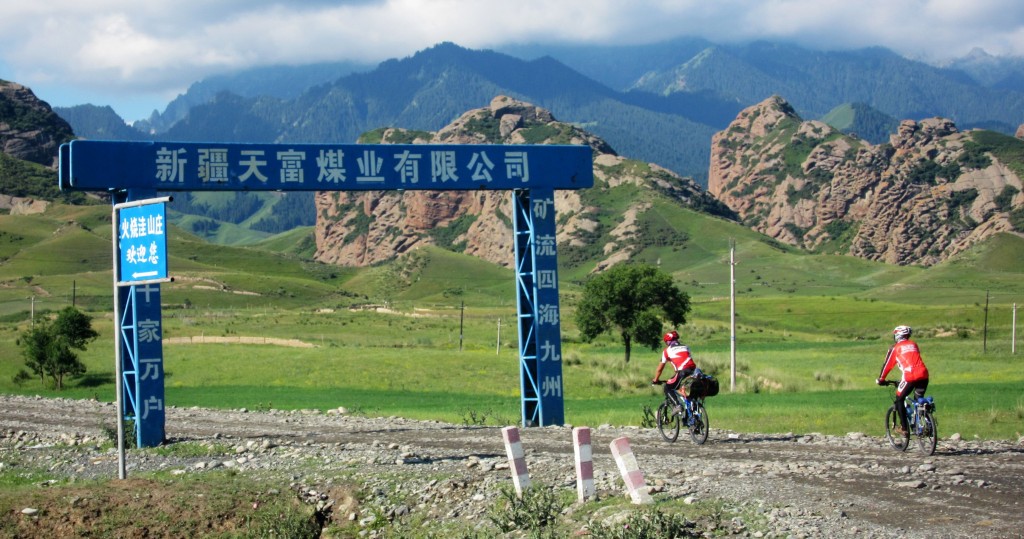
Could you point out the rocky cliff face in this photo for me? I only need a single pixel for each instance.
(29, 129)
(929, 193)
(359, 229)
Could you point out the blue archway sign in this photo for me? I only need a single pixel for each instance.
(134, 171)
(197, 166)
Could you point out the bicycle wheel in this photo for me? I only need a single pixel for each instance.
(928, 435)
(699, 428)
(892, 428)
(668, 422)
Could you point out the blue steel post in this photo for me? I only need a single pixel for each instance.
(129, 350)
(540, 342)
(523, 233)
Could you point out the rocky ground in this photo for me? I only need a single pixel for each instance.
(786, 485)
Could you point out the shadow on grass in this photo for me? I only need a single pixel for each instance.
(95, 380)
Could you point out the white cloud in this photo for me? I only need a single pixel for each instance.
(157, 48)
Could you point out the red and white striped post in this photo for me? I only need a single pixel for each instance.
(516, 459)
(584, 463)
(630, 471)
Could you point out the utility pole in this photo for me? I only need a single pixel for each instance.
(32, 313)
(732, 315)
(462, 316)
(1013, 331)
(497, 347)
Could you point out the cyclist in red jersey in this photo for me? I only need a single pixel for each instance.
(682, 363)
(906, 355)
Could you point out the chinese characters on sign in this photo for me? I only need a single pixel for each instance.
(244, 167)
(143, 364)
(206, 166)
(547, 315)
(142, 243)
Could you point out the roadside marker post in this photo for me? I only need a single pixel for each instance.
(630, 470)
(582, 448)
(584, 463)
(516, 459)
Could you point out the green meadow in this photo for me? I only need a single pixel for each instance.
(812, 329)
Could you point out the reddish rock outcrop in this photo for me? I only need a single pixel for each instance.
(359, 229)
(923, 197)
(19, 107)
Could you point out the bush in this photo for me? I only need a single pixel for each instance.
(1004, 200)
(650, 523)
(647, 419)
(535, 512)
(20, 378)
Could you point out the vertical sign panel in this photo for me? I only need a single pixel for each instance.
(547, 315)
(149, 368)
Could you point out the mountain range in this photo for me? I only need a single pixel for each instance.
(660, 103)
(802, 182)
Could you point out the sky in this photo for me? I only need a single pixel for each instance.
(138, 55)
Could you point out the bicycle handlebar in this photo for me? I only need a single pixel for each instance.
(658, 383)
(889, 383)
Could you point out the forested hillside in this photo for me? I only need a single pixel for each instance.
(30, 134)
(659, 102)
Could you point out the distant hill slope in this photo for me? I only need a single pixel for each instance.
(241, 217)
(101, 123)
(991, 71)
(660, 102)
(30, 134)
(929, 193)
(862, 121)
(281, 82)
(815, 82)
(29, 129)
(433, 87)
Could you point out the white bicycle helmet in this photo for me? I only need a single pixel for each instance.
(901, 333)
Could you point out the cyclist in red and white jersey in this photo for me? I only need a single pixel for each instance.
(682, 362)
(906, 355)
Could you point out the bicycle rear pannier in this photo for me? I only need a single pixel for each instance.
(711, 385)
(689, 385)
(702, 385)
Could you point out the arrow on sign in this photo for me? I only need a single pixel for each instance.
(138, 275)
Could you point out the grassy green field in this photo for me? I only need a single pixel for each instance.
(812, 329)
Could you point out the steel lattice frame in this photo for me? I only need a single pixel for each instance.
(523, 231)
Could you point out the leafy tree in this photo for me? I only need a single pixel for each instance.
(35, 344)
(49, 347)
(632, 299)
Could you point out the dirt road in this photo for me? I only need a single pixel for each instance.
(800, 485)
